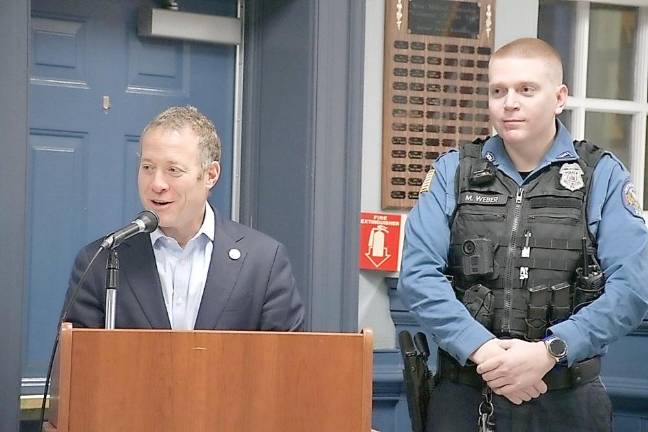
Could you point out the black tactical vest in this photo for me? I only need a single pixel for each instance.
(514, 251)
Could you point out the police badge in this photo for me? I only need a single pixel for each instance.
(571, 176)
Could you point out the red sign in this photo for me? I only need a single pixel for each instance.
(380, 241)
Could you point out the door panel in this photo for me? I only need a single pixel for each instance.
(54, 235)
(83, 158)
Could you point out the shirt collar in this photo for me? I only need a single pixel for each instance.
(561, 150)
(207, 228)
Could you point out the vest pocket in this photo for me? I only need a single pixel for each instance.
(480, 302)
(553, 219)
(482, 216)
(560, 302)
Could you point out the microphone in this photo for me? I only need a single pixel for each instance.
(146, 221)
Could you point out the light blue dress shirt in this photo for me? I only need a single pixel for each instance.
(183, 272)
(621, 236)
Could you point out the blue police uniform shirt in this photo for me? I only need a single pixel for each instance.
(614, 218)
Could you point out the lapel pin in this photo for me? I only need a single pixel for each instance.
(234, 254)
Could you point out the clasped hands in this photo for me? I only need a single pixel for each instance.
(514, 368)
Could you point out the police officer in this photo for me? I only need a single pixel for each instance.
(525, 256)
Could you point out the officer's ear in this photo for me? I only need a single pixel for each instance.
(561, 98)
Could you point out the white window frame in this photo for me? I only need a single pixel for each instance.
(579, 104)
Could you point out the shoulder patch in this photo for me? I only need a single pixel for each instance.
(425, 187)
(630, 201)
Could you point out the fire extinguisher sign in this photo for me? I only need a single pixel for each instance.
(380, 241)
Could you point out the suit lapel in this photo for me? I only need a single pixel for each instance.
(221, 277)
(138, 266)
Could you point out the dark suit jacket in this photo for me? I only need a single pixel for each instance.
(255, 292)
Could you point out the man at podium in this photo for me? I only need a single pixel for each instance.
(197, 270)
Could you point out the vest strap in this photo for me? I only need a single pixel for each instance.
(555, 263)
(555, 244)
(542, 202)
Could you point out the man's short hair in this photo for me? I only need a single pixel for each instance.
(178, 117)
(532, 48)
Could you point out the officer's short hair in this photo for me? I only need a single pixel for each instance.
(532, 48)
(178, 117)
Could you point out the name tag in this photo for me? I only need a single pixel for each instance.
(485, 199)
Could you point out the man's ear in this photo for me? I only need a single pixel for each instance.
(212, 175)
(561, 98)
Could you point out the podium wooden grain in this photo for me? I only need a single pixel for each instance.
(161, 380)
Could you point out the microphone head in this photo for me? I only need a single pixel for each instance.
(150, 220)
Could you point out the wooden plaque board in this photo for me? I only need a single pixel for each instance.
(435, 87)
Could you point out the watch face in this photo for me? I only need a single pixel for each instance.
(557, 348)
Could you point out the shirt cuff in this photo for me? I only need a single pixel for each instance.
(576, 344)
(468, 341)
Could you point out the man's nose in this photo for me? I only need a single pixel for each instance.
(510, 101)
(159, 183)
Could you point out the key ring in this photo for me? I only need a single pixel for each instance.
(487, 402)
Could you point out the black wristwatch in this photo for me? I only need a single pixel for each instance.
(556, 347)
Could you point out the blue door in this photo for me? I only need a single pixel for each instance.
(94, 85)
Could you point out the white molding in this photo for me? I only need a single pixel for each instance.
(238, 117)
(638, 153)
(581, 47)
(638, 3)
(607, 105)
(32, 382)
(638, 149)
(641, 58)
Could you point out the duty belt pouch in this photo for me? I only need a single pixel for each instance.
(479, 301)
(560, 302)
(588, 287)
(536, 320)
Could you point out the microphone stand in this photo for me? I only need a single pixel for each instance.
(112, 283)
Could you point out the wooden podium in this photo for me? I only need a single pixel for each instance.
(162, 380)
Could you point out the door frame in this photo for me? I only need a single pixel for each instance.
(14, 43)
(297, 54)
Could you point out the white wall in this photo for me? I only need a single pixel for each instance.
(513, 19)
(373, 304)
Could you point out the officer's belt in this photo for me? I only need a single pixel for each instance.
(557, 378)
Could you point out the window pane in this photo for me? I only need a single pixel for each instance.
(556, 23)
(610, 63)
(565, 118)
(610, 132)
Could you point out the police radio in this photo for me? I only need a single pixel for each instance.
(590, 281)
